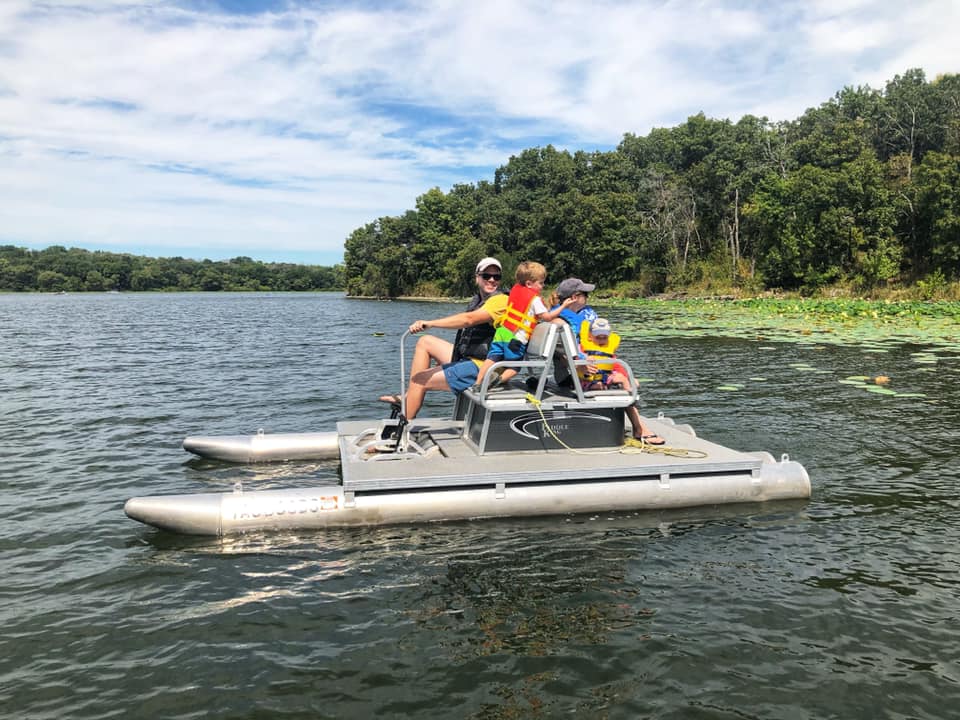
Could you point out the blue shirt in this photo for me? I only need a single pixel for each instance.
(574, 319)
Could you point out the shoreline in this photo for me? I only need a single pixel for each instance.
(799, 304)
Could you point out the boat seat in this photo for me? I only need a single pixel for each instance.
(567, 362)
(551, 353)
(538, 357)
(551, 362)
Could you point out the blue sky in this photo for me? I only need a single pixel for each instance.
(273, 128)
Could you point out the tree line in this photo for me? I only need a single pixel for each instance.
(58, 269)
(862, 191)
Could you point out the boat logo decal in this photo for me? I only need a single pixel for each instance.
(556, 420)
(286, 506)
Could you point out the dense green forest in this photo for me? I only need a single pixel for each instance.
(861, 192)
(57, 269)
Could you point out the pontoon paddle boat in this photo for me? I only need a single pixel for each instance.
(537, 445)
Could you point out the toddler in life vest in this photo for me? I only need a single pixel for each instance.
(598, 345)
(525, 308)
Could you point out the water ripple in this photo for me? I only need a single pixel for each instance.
(829, 608)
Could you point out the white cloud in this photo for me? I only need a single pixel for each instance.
(154, 124)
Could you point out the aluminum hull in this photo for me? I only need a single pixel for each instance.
(264, 447)
(326, 507)
(453, 483)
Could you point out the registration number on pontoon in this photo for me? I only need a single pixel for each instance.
(293, 506)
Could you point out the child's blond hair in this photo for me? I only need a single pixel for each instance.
(529, 270)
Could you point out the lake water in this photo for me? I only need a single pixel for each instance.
(846, 606)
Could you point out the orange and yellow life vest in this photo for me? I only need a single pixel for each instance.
(519, 318)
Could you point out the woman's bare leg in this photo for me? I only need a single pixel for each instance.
(431, 379)
(430, 347)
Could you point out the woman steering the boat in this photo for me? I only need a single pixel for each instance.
(457, 362)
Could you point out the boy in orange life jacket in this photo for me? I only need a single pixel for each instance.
(525, 308)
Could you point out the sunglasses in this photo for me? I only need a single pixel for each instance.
(490, 276)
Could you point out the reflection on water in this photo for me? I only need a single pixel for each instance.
(797, 610)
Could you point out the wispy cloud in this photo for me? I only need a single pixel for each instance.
(193, 128)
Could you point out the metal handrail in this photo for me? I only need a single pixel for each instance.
(403, 375)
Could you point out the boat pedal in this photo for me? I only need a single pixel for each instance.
(380, 446)
(393, 431)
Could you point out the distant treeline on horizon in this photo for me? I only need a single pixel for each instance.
(58, 269)
(862, 191)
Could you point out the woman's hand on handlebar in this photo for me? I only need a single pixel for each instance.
(418, 326)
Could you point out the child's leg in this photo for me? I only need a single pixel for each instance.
(616, 379)
(515, 350)
(483, 370)
(641, 431)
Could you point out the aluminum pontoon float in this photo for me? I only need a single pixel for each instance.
(536, 446)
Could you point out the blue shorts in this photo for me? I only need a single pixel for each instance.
(513, 350)
(460, 374)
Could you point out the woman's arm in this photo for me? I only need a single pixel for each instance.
(454, 322)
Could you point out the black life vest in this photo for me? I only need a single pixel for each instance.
(474, 342)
